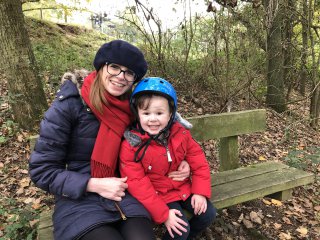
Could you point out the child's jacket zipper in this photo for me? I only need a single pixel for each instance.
(165, 143)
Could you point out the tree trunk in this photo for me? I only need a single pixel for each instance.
(314, 105)
(304, 54)
(275, 87)
(18, 64)
(287, 51)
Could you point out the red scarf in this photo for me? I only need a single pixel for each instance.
(113, 122)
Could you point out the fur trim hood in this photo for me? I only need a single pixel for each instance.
(77, 77)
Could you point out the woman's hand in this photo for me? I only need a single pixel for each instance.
(199, 204)
(174, 223)
(182, 173)
(111, 188)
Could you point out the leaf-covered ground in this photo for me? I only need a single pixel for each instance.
(287, 137)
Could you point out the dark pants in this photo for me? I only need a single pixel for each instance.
(196, 224)
(131, 229)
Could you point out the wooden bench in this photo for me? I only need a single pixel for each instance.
(232, 184)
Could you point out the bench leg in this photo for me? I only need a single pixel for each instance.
(282, 196)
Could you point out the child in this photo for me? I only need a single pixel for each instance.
(156, 147)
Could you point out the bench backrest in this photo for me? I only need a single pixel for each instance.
(227, 127)
(224, 126)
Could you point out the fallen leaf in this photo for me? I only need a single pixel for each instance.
(307, 203)
(266, 202)
(240, 218)
(260, 214)
(235, 224)
(317, 229)
(225, 212)
(277, 225)
(303, 231)
(36, 206)
(262, 158)
(20, 138)
(20, 191)
(208, 153)
(25, 182)
(29, 200)
(24, 171)
(276, 202)
(286, 220)
(255, 218)
(313, 222)
(317, 208)
(199, 111)
(288, 213)
(285, 236)
(247, 223)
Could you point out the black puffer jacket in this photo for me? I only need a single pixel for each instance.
(60, 164)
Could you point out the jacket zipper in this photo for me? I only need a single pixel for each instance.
(168, 152)
(123, 216)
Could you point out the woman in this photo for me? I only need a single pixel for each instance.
(76, 155)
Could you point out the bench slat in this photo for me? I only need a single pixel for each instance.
(245, 172)
(228, 124)
(252, 187)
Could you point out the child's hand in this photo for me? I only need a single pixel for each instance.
(175, 223)
(199, 203)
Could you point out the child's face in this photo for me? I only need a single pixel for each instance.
(156, 117)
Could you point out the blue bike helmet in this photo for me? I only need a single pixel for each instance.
(158, 86)
(155, 85)
(152, 85)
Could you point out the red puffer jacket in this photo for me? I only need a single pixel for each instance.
(148, 180)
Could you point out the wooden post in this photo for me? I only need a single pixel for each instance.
(33, 139)
(282, 196)
(229, 153)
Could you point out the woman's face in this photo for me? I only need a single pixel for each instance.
(115, 85)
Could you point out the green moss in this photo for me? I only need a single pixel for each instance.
(59, 48)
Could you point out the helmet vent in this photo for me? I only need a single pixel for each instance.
(161, 82)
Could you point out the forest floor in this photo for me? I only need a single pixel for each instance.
(287, 138)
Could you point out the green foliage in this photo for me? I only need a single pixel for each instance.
(61, 48)
(17, 221)
(7, 130)
(302, 158)
(260, 92)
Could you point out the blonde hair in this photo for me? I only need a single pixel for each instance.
(97, 93)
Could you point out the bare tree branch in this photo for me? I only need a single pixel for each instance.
(261, 41)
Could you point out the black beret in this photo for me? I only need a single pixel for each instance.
(122, 53)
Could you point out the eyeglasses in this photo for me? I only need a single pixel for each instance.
(115, 70)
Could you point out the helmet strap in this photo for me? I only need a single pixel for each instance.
(143, 147)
